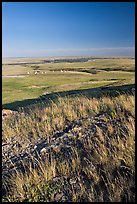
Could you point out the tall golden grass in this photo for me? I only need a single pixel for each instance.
(104, 172)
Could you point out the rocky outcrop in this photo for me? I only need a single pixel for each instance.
(17, 155)
(8, 113)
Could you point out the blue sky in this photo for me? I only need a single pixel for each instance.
(68, 29)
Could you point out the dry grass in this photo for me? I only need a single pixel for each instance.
(104, 167)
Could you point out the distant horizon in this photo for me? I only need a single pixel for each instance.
(119, 51)
(130, 49)
(92, 56)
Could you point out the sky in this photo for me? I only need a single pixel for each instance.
(37, 29)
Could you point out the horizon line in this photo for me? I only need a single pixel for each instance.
(79, 51)
(92, 56)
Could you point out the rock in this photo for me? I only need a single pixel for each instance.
(6, 112)
(44, 150)
(58, 196)
(73, 180)
(61, 147)
(56, 148)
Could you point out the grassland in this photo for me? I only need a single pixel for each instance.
(100, 158)
(75, 76)
(85, 117)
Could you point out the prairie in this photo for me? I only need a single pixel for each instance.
(74, 76)
(72, 138)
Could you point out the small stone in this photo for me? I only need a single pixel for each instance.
(56, 148)
(73, 181)
(58, 196)
(44, 150)
(35, 146)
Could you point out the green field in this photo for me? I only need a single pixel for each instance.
(61, 77)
